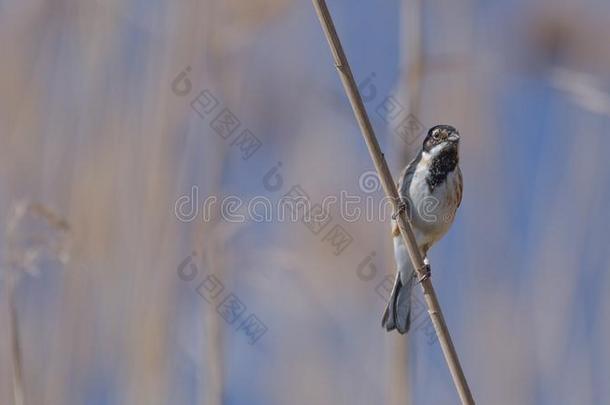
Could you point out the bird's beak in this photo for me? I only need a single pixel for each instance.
(454, 137)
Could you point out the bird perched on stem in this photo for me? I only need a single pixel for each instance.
(430, 188)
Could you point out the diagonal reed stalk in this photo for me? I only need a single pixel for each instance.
(404, 224)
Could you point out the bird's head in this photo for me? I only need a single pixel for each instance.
(441, 138)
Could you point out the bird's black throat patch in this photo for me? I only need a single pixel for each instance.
(441, 166)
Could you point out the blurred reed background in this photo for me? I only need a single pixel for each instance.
(100, 140)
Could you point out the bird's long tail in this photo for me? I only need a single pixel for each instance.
(397, 314)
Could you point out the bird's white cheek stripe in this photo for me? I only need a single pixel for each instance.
(426, 158)
(436, 150)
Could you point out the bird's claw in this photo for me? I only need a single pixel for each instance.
(427, 273)
(402, 206)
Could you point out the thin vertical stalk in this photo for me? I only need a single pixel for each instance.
(414, 54)
(385, 176)
(410, 89)
(18, 393)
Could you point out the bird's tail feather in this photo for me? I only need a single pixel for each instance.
(397, 314)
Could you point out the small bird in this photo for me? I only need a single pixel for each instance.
(431, 189)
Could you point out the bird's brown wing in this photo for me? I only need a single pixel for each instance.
(404, 183)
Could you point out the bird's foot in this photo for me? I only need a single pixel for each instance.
(427, 272)
(402, 206)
